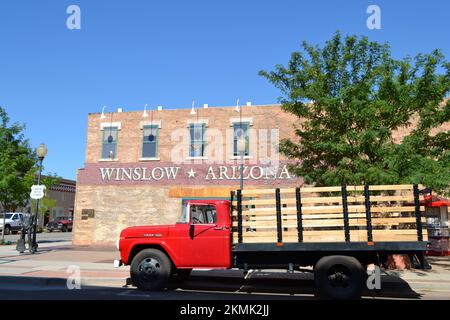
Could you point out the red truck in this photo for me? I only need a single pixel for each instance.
(224, 234)
(62, 224)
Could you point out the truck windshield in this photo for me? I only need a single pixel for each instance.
(8, 216)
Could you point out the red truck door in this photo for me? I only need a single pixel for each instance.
(205, 240)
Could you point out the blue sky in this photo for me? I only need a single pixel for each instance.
(129, 53)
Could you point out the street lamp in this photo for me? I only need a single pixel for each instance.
(41, 152)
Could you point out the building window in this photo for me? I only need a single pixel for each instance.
(197, 145)
(241, 130)
(150, 141)
(109, 147)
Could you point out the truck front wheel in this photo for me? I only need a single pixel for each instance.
(339, 277)
(150, 270)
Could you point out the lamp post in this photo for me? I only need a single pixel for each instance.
(41, 152)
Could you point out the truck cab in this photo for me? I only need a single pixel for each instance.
(201, 238)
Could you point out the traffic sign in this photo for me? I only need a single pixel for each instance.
(37, 192)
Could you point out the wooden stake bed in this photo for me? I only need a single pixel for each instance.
(347, 214)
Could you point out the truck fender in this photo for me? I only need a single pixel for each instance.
(138, 246)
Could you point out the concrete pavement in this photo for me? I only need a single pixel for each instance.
(56, 260)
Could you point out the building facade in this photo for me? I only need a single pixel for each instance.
(63, 192)
(141, 166)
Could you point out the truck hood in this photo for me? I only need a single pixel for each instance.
(158, 231)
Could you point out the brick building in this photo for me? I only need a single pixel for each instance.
(140, 166)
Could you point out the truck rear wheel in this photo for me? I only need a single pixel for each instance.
(150, 270)
(339, 277)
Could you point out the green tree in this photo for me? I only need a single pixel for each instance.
(18, 166)
(351, 96)
(45, 206)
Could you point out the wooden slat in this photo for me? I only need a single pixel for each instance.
(328, 232)
(249, 192)
(324, 216)
(327, 200)
(269, 224)
(390, 187)
(320, 189)
(327, 210)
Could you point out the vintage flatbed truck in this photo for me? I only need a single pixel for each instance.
(337, 230)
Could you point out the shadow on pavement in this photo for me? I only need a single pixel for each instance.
(288, 284)
(201, 285)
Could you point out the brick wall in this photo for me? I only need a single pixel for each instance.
(130, 134)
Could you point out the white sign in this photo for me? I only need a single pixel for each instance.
(37, 192)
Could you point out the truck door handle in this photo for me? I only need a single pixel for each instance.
(218, 228)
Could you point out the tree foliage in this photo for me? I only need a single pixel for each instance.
(45, 205)
(352, 98)
(18, 165)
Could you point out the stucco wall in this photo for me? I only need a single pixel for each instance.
(118, 207)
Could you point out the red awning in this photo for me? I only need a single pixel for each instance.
(433, 201)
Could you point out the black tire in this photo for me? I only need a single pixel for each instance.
(7, 230)
(150, 270)
(182, 274)
(339, 278)
(64, 229)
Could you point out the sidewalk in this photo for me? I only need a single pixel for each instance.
(51, 266)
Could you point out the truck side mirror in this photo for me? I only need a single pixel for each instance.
(191, 230)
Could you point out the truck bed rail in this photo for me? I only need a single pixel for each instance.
(369, 213)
